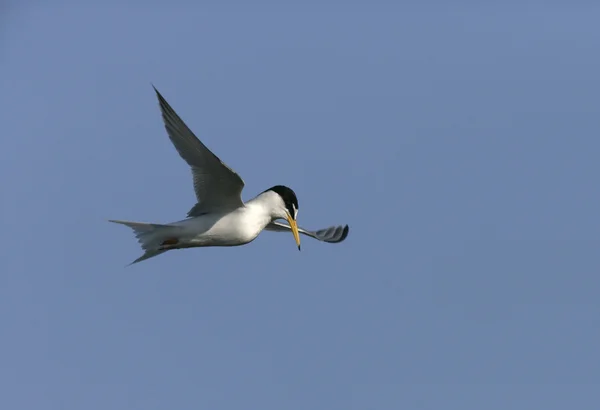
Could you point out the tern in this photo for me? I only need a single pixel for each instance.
(220, 217)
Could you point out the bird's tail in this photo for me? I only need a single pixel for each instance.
(153, 238)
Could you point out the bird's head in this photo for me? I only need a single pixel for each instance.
(286, 207)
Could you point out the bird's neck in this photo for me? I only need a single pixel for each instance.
(262, 206)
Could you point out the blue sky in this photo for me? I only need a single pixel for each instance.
(460, 143)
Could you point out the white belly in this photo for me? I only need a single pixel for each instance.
(216, 229)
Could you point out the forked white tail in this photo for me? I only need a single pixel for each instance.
(151, 237)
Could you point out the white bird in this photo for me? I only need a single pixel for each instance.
(220, 217)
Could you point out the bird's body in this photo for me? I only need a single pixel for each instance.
(220, 217)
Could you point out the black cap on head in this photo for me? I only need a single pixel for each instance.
(289, 198)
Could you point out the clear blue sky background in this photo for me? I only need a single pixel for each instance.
(461, 144)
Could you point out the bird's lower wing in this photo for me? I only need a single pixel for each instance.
(333, 234)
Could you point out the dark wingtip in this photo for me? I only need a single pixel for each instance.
(162, 103)
(158, 94)
(345, 233)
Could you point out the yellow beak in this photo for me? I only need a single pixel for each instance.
(294, 227)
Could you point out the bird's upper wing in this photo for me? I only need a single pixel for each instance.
(217, 186)
(333, 234)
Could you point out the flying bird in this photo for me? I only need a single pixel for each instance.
(220, 217)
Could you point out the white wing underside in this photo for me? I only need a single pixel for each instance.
(333, 234)
(217, 186)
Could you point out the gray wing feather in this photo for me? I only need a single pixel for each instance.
(333, 234)
(216, 185)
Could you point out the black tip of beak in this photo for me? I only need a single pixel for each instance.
(298, 247)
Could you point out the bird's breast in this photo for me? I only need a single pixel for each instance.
(227, 229)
